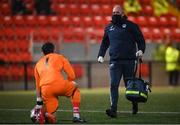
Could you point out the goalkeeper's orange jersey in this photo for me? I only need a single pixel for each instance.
(48, 70)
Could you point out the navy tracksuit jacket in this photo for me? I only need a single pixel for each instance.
(123, 40)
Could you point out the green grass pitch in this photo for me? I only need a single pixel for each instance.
(163, 107)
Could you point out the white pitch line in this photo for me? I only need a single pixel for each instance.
(94, 111)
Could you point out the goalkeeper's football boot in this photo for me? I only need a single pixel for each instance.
(134, 107)
(110, 113)
(78, 120)
(50, 118)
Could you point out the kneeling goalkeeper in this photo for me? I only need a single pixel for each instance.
(50, 83)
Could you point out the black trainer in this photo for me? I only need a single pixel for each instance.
(110, 113)
(78, 120)
(134, 107)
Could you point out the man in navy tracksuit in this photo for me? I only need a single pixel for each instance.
(125, 42)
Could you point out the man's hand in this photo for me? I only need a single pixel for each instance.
(100, 59)
(139, 53)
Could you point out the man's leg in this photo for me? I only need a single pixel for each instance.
(128, 73)
(115, 74)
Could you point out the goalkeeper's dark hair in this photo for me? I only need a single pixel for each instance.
(47, 48)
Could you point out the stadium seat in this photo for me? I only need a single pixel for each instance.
(163, 21)
(74, 9)
(95, 9)
(23, 45)
(19, 20)
(76, 21)
(67, 35)
(95, 35)
(43, 21)
(156, 34)
(98, 21)
(99, 34)
(176, 34)
(173, 21)
(132, 18)
(55, 33)
(85, 9)
(65, 21)
(87, 21)
(16, 72)
(31, 20)
(2, 56)
(107, 19)
(30, 72)
(22, 33)
(146, 33)
(166, 31)
(90, 33)
(79, 35)
(152, 21)
(7, 21)
(26, 57)
(142, 21)
(2, 46)
(5, 9)
(74, 35)
(41, 34)
(2, 34)
(106, 9)
(13, 57)
(9, 33)
(62, 9)
(54, 21)
(11, 46)
(147, 10)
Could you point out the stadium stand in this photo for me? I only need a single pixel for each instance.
(74, 21)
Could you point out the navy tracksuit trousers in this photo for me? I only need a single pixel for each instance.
(117, 70)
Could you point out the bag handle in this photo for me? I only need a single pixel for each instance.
(138, 64)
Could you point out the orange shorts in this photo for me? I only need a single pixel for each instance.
(51, 92)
